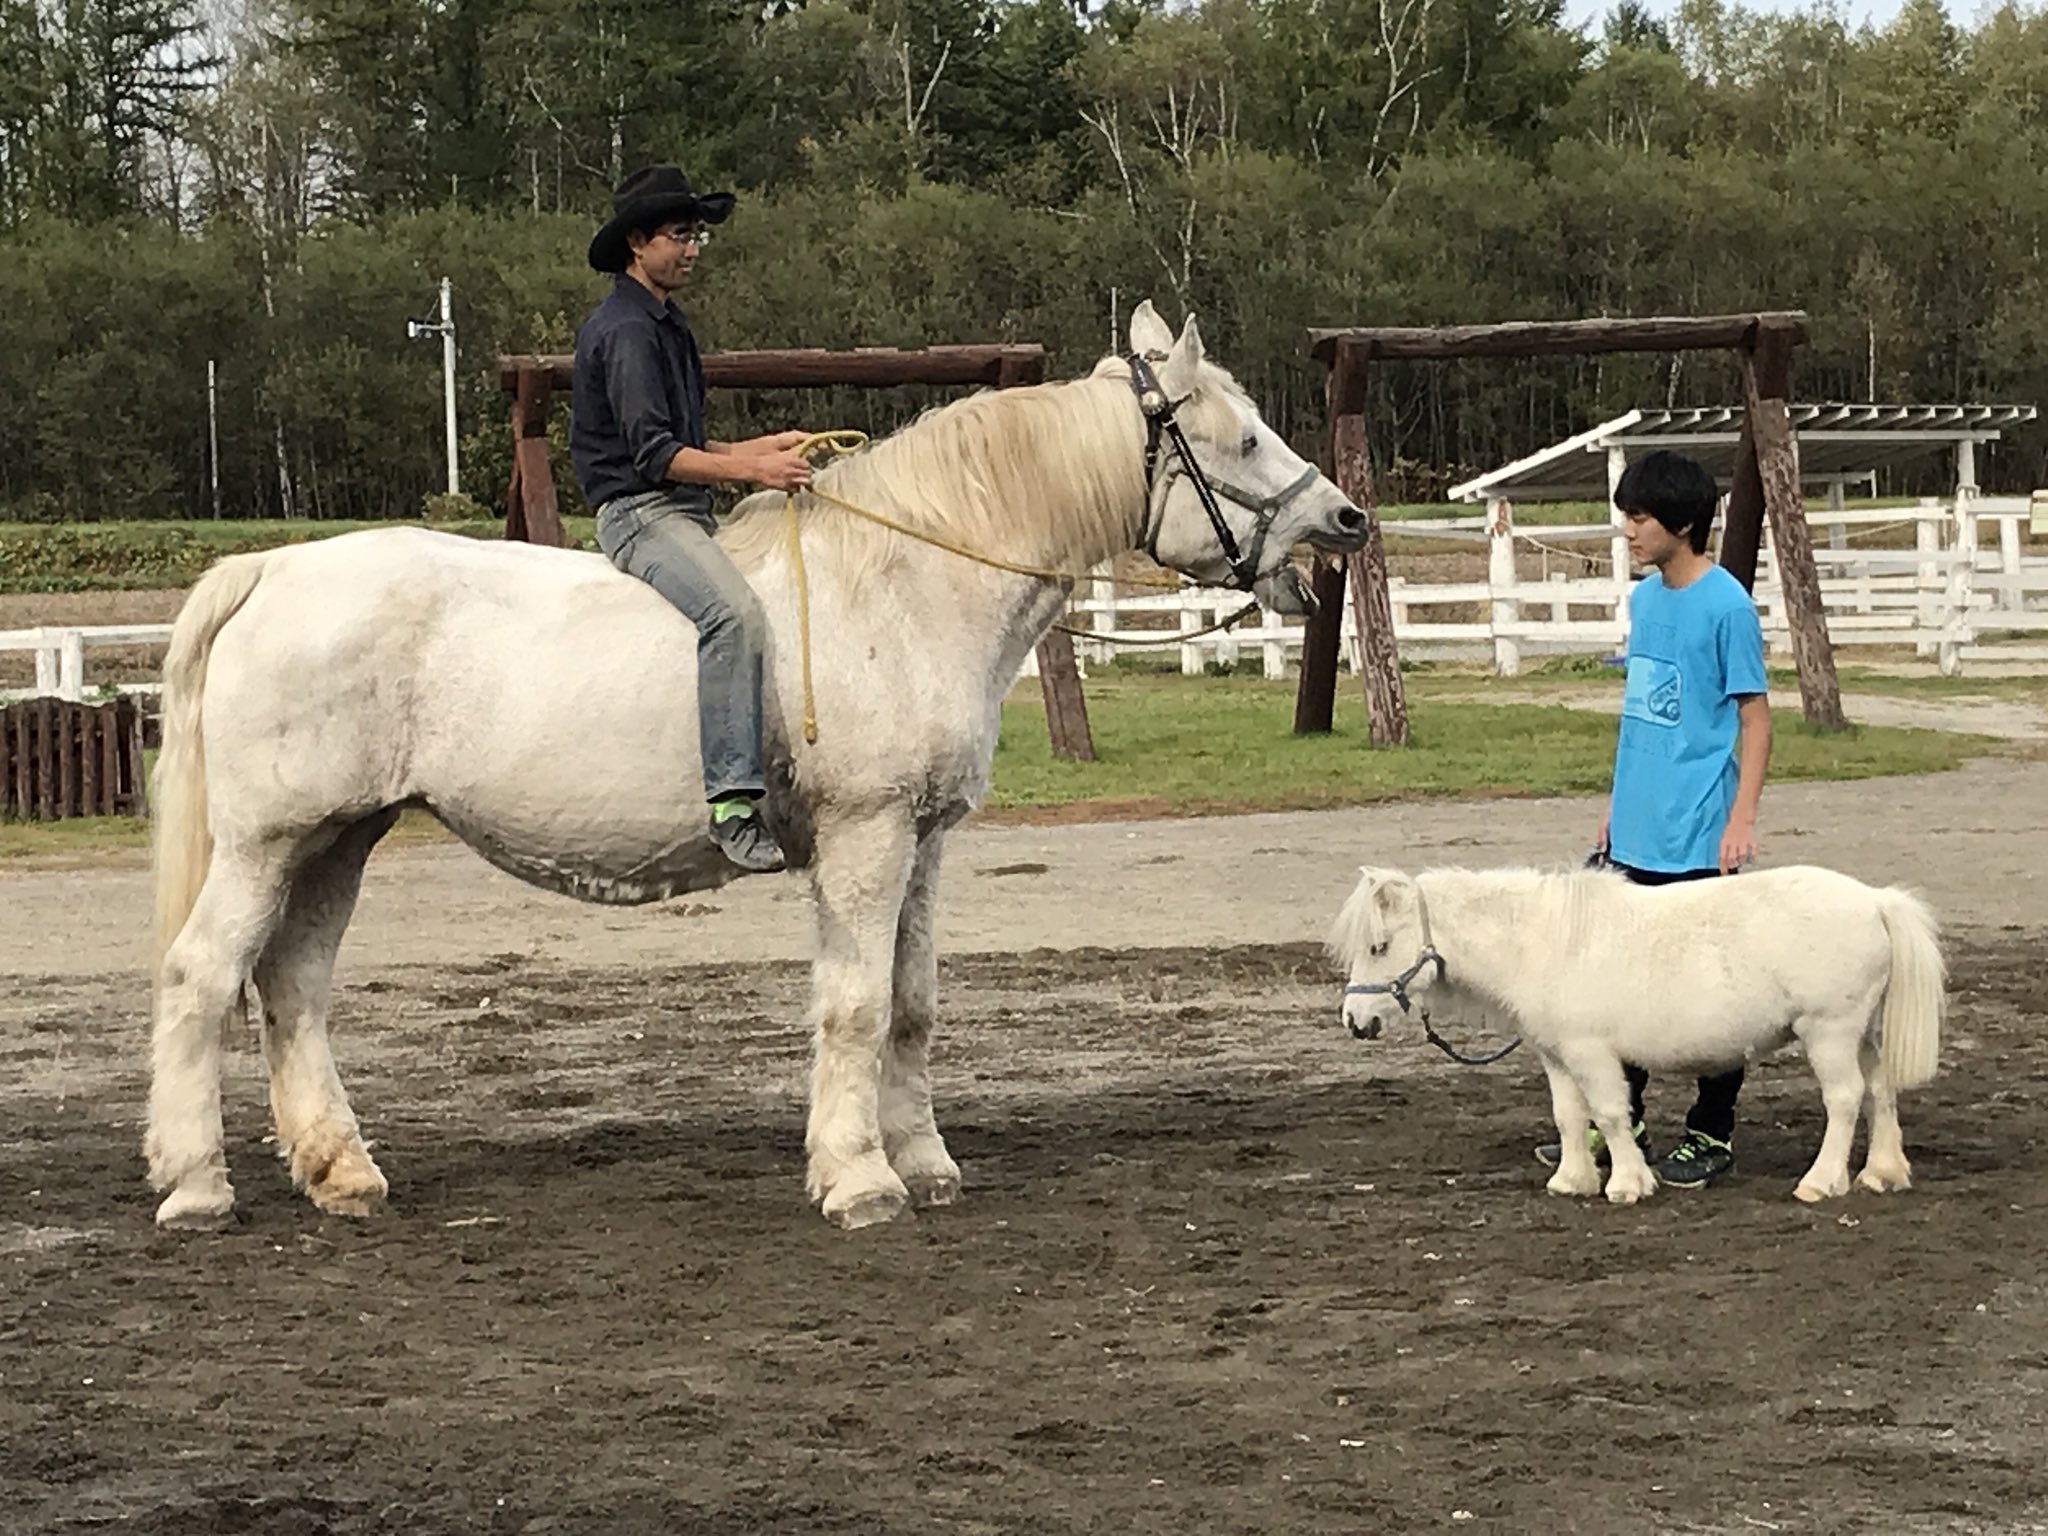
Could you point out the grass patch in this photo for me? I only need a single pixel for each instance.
(1174, 746)
(129, 556)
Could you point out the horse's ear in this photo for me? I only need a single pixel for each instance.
(1151, 337)
(1182, 370)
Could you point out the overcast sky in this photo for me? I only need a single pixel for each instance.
(1877, 12)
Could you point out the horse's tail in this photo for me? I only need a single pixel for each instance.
(182, 831)
(1916, 994)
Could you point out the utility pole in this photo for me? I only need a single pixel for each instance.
(212, 438)
(445, 329)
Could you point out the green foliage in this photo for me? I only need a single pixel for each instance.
(918, 171)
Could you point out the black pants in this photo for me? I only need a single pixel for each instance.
(1713, 1112)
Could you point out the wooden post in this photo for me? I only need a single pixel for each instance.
(1766, 372)
(1350, 465)
(1767, 430)
(1322, 642)
(530, 510)
(1386, 706)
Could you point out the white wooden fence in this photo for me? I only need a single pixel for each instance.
(1965, 592)
(61, 651)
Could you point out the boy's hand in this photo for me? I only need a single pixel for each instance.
(782, 442)
(779, 470)
(1738, 844)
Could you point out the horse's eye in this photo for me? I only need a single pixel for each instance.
(1250, 445)
(1380, 948)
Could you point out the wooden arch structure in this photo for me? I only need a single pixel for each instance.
(531, 512)
(1765, 483)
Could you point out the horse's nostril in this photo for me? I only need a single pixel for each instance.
(1351, 520)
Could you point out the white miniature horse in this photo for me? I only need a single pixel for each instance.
(1595, 971)
(542, 705)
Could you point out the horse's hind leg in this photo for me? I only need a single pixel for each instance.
(201, 977)
(1885, 1168)
(861, 871)
(910, 1134)
(317, 1133)
(1834, 1048)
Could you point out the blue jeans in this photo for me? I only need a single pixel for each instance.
(670, 547)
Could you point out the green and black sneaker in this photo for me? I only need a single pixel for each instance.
(1550, 1154)
(1695, 1162)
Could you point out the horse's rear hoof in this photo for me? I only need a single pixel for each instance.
(867, 1211)
(199, 1210)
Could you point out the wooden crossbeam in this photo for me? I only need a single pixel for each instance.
(1546, 338)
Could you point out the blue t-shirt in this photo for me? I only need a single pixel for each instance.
(1693, 653)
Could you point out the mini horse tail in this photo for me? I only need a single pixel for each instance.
(183, 833)
(1916, 994)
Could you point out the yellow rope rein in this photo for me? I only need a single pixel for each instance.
(846, 441)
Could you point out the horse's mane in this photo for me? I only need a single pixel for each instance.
(1016, 473)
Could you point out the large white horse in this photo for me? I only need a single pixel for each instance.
(542, 705)
(1594, 971)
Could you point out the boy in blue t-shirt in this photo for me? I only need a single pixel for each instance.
(1695, 736)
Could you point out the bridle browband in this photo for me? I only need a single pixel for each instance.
(1161, 427)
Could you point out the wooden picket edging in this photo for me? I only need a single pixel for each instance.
(60, 759)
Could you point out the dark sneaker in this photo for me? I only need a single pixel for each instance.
(1550, 1154)
(1695, 1162)
(745, 840)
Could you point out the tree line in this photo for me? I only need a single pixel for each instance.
(277, 186)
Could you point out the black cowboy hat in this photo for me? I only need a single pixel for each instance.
(646, 198)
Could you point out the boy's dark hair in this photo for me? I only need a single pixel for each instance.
(1673, 489)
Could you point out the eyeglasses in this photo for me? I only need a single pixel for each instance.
(688, 236)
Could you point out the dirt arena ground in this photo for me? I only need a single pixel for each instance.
(1217, 1268)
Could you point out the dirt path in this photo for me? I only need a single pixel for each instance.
(1219, 1268)
(1972, 839)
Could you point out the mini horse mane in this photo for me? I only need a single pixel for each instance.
(1576, 903)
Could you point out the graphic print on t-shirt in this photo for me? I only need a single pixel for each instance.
(1652, 693)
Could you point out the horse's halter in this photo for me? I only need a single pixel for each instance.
(1160, 423)
(1397, 989)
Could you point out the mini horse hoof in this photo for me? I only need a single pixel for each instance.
(1813, 1194)
(196, 1210)
(1882, 1183)
(869, 1210)
(927, 1192)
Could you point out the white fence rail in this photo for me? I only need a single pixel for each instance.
(61, 650)
(1966, 591)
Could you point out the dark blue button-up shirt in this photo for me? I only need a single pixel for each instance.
(637, 396)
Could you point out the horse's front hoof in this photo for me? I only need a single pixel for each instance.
(207, 1208)
(939, 1191)
(1562, 1183)
(1813, 1193)
(1622, 1191)
(350, 1184)
(869, 1210)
